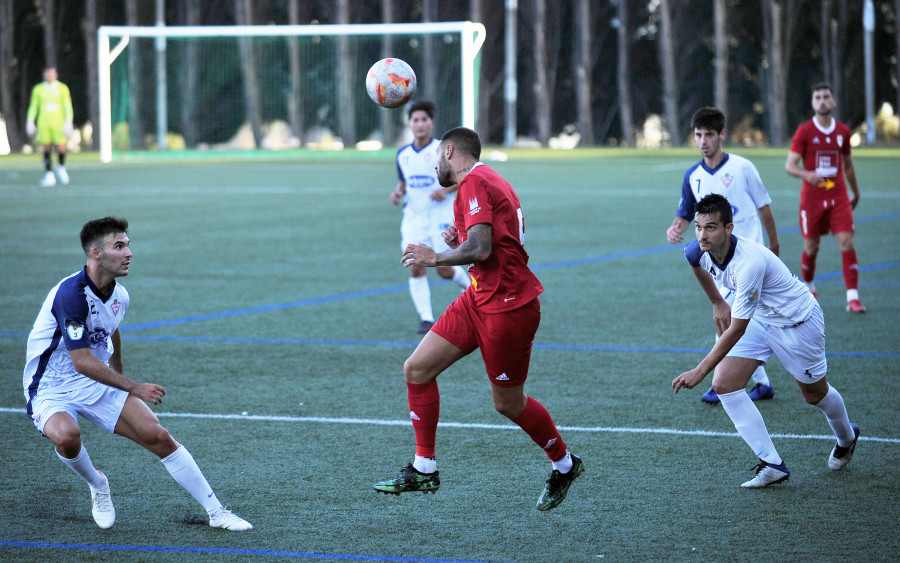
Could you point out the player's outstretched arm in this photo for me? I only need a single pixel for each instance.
(88, 365)
(768, 221)
(721, 309)
(675, 233)
(724, 344)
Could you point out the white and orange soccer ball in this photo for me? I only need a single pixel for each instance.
(390, 82)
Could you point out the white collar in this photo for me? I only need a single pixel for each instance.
(828, 131)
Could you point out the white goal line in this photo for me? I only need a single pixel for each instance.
(479, 425)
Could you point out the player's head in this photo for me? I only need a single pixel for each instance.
(823, 101)
(50, 74)
(421, 118)
(716, 206)
(105, 242)
(713, 220)
(708, 125)
(459, 144)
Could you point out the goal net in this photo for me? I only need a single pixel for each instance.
(209, 89)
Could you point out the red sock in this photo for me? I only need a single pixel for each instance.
(536, 422)
(424, 410)
(808, 267)
(851, 269)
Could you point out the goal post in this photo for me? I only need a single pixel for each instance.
(202, 88)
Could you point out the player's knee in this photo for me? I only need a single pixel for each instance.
(158, 437)
(415, 372)
(68, 443)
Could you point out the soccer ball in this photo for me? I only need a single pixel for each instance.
(390, 82)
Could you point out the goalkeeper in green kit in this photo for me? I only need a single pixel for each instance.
(50, 116)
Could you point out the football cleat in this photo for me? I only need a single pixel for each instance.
(768, 474)
(854, 306)
(410, 480)
(102, 507)
(710, 397)
(63, 175)
(425, 327)
(841, 456)
(558, 485)
(228, 520)
(761, 392)
(48, 180)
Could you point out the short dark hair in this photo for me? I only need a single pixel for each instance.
(708, 118)
(714, 204)
(465, 140)
(94, 231)
(421, 105)
(821, 86)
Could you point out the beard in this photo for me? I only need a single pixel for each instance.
(444, 175)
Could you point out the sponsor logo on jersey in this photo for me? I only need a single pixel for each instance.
(420, 181)
(74, 331)
(727, 179)
(98, 337)
(115, 307)
(413, 415)
(502, 377)
(474, 208)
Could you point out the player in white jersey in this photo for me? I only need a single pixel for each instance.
(74, 367)
(427, 208)
(773, 312)
(737, 179)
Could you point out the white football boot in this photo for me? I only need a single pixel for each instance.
(228, 520)
(48, 180)
(768, 474)
(63, 175)
(102, 505)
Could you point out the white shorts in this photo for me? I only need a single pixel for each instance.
(99, 403)
(423, 229)
(800, 348)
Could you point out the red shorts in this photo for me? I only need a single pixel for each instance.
(505, 338)
(819, 217)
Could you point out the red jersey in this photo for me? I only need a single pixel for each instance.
(823, 150)
(503, 281)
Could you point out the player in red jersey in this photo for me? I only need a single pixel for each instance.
(499, 313)
(820, 155)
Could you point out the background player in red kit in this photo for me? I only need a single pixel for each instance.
(499, 313)
(820, 155)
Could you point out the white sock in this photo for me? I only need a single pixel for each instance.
(421, 297)
(750, 425)
(82, 465)
(832, 404)
(810, 285)
(852, 294)
(461, 277)
(181, 465)
(760, 376)
(425, 464)
(565, 464)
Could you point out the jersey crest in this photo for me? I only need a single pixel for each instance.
(727, 179)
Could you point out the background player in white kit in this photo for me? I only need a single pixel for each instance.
(74, 367)
(773, 312)
(737, 179)
(427, 209)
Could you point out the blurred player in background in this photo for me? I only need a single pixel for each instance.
(737, 179)
(820, 156)
(50, 117)
(427, 209)
(74, 367)
(499, 314)
(772, 312)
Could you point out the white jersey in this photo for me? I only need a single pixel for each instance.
(737, 179)
(73, 316)
(765, 289)
(416, 167)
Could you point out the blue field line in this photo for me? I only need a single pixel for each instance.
(227, 551)
(872, 268)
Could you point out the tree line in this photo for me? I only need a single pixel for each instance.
(598, 68)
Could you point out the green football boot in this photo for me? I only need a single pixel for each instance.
(409, 481)
(558, 485)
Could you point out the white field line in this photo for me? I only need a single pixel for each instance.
(478, 425)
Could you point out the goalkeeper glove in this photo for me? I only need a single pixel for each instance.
(67, 128)
(30, 128)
